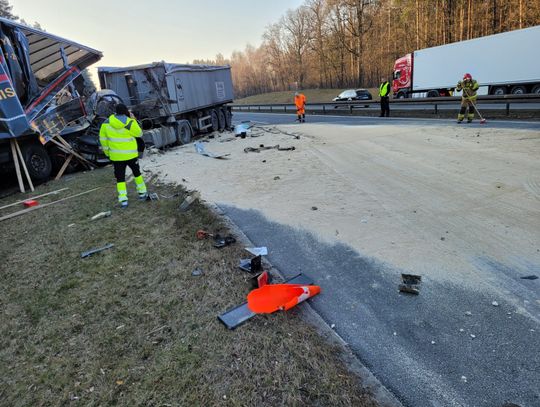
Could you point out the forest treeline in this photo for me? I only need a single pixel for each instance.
(353, 43)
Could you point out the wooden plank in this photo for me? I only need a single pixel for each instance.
(23, 164)
(16, 162)
(33, 208)
(34, 197)
(64, 166)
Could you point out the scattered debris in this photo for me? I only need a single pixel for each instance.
(279, 297)
(71, 225)
(97, 250)
(101, 215)
(410, 284)
(468, 313)
(277, 177)
(495, 303)
(263, 147)
(531, 277)
(473, 336)
(314, 208)
(30, 202)
(241, 313)
(253, 265)
(261, 279)
(332, 326)
(197, 272)
(242, 129)
(220, 241)
(152, 196)
(34, 198)
(199, 147)
(464, 379)
(258, 251)
(203, 234)
(189, 200)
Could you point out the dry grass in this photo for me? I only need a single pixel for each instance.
(131, 326)
(312, 96)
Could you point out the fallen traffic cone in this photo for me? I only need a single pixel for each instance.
(274, 297)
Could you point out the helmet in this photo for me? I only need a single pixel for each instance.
(467, 77)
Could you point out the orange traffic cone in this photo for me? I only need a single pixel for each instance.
(274, 297)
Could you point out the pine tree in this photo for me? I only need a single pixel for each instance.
(5, 10)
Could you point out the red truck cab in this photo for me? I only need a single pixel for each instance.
(402, 77)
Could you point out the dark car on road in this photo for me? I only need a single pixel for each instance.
(352, 95)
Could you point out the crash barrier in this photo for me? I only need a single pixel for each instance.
(500, 102)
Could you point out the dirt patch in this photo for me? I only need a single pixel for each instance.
(132, 325)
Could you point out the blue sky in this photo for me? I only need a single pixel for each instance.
(138, 31)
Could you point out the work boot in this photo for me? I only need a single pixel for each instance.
(143, 196)
(123, 204)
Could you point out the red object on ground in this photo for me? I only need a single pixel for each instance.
(202, 234)
(29, 203)
(274, 297)
(262, 280)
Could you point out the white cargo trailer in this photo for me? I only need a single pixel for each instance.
(502, 63)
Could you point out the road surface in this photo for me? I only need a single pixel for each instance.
(362, 200)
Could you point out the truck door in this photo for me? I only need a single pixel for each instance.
(132, 90)
(180, 95)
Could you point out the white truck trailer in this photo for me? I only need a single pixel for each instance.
(505, 63)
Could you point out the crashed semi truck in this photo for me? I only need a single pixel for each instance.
(42, 95)
(173, 102)
(502, 64)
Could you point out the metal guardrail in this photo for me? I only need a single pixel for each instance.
(435, 102)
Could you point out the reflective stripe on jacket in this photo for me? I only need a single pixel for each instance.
(384, 89)
(469, 88)
(117, 137)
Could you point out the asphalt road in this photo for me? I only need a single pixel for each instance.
(426, 350)
(289, 118)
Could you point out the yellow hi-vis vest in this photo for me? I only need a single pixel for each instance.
(384, 89)
(117, 137)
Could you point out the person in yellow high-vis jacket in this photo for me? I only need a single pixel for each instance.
(117, 137)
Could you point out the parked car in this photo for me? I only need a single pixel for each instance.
(353, 94)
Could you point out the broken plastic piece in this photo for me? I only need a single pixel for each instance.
(274, 297)
(410, 284)
(220, 241)
(410, 289)
(263, 279)
(101, 215)
(258, 251)
(188, 201)
(199, 147)
(253, 265)
(94, 251)
(241, 313)
(30, 202)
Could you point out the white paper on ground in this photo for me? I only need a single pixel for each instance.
(258, 251)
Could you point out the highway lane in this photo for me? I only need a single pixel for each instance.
(290, 118)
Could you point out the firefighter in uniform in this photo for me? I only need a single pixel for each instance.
(384, 94)
(300, 102)
(117, 137)
(469, 86)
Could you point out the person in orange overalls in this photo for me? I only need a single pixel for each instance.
(300, 102)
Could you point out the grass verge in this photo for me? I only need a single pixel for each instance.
(131, 326)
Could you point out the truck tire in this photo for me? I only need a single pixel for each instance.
(215, 120)
(433, 94)
(221, 120)
(499, 90)
(37, 161)
(536, 89)
(401, 95)
(518, 90)
(184, 132)
(228, 118)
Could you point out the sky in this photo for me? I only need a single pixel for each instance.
(142, 31)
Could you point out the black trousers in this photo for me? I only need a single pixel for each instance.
(385, 106)
(120, 169)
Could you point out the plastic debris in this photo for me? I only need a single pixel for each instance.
(101, 215)
(495, 303)
(188, 201)
(222, 241)
(253, 265)
(275, 297)
(30, 202)
(258, 251)
(199, 147)
(410, 284)
(197, 272)
(531, 277)
(97, 250)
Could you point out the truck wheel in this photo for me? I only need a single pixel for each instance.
(37, 161)
(518, 90)
(499, 90)
(221, 120)
(184, 132)
(215, 120)
(433, 94)
(401, 95)
(228, 118)
(536, 89)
